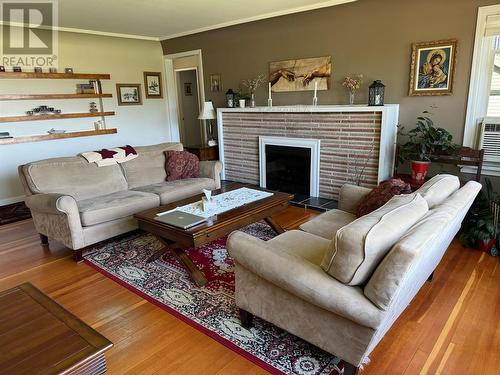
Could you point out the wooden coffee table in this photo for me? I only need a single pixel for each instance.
(38, 336)
(176, 240)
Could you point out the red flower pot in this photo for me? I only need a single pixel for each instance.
(419, 171)
(485, 245)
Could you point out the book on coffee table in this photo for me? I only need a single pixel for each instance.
(180, 219)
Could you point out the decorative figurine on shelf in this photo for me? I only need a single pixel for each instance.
(38, 69)
(43, 110)
(17, 69)
(68, 70)
(376, 93)
(93, 107)
(52, 70)
(99, 125)
(2, 68)
(56, 131)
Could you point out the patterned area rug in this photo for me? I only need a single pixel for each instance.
(210, 309)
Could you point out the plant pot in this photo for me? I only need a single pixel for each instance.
(419, 171)
(485, 245)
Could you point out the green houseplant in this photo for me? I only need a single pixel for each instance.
(423, 142)
(478, 229)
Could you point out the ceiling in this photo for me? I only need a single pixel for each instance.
(164, 19)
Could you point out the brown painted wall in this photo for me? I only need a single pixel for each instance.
(372, 37)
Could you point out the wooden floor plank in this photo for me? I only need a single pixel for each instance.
(439, 331)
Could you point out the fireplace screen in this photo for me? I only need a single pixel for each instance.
(288, 169)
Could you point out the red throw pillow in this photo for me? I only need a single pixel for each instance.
(381, 195)
(181, 164)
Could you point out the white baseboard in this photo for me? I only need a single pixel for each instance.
(6, 201)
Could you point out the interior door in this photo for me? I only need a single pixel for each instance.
(189, 107)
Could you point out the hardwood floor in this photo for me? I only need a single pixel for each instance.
(451, 327)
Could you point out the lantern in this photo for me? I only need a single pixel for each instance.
(376, 93)
(230, 99)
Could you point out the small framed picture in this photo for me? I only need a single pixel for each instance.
(38, 69)
(52, 70)
(17, 69)
(188, 89)
(433, 67)
(129, 93)
(152, 84)
(2, 68)
(215, 83)
(68, 70)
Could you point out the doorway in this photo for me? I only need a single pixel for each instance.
(188, 107)
(174, 64)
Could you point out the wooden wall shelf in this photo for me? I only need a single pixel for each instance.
(32, 75)
(47, 137)
(52, 96)
(54, 117)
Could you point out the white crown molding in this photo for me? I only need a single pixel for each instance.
(84, 31)
(323, 4)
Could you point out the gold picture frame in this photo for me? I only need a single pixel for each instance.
(129, 93)
(432, 70)
(153, 85)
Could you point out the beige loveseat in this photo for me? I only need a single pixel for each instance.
(342, 281)
(78, 203)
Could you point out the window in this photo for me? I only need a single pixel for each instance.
(484, 90)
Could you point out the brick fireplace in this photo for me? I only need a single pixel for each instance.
(350, 138)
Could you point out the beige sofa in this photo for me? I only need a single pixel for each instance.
(78, 204)
(342, 281)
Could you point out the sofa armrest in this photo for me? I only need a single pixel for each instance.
(303, 279)
(350, 196)
(52, 203)
(211, 169)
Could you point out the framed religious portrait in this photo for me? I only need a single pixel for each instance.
(433, 67)
(129, 93)
(152, 83)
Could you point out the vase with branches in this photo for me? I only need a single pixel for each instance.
(353, 84)
(252, 85)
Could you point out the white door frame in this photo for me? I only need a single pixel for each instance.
(179, 106)
(170, 78)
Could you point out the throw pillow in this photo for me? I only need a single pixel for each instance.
(358, 247)
(381, 195)
(181, 164)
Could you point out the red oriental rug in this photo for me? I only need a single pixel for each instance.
(210, 309)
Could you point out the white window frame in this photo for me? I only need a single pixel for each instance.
(480, 83)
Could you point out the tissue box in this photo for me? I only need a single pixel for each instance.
(208, 204)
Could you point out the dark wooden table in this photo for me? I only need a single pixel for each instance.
(38, 336)
(204, 152)
(176, 240)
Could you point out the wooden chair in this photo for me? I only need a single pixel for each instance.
(462, 156)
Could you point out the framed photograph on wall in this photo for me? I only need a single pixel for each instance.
(188, 89)
(152, 84)
(129, 93)
(433, 67)
(215, 83)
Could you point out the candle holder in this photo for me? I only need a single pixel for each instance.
(269, 102)
(315, 101)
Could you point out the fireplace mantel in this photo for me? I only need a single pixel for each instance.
(349, 135)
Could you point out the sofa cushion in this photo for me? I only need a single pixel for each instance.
(304, 245)
(359, 246)
(171, 191)
(115, 206)
(73, 176)
(327, 224)
(424, 237)
(149, 165)
(438, 188)
(181, 164)
(381, 195)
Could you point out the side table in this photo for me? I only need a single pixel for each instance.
(204, 152)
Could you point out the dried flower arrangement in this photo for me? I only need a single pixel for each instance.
(353, 83)
(253, 83)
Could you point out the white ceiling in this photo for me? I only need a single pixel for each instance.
(164, 19)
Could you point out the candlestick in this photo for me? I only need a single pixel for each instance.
(269, 102)
(269, 95)
(315, 89)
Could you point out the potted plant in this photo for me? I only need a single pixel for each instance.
(478, 229)
(424, 141)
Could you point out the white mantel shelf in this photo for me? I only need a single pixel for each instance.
(311, 108)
